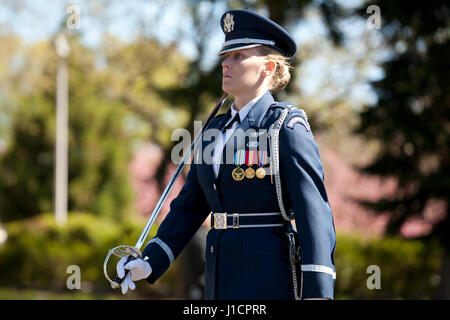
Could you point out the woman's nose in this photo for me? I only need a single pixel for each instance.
(226, 64)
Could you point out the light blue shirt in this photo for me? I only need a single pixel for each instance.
(227, 134)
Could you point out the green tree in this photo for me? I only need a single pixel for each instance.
(99, 148)
(411, 119)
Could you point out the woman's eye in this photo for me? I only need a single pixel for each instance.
(233, 56)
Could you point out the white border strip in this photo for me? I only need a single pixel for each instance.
(239, 48)
(165, 247)
(255, 214)
(318, 268)
(257, 225)
(249, 41)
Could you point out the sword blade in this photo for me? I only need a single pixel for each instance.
(178, 170)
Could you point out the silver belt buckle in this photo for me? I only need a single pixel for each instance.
(220, 220)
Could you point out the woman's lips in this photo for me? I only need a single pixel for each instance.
(226, 76)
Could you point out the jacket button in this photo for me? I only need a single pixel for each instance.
(212, 249)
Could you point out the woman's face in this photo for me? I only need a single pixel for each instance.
(243, 71)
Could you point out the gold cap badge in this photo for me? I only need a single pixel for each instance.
(228, 22)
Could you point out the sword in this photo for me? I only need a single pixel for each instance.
(134, 252)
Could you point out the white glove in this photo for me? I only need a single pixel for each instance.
(139, 269)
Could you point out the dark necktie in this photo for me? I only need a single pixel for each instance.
(228, 126)
(235, 119)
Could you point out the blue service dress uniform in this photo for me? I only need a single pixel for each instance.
(251, 263)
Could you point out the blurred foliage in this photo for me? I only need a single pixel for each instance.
(136, 73)
(37, 254)
(411, 119)
(99, 153)
(10, 293)
(112, 106)
(409, 269)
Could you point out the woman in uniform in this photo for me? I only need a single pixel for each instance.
(265, 173)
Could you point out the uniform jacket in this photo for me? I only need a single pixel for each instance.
(252, 263)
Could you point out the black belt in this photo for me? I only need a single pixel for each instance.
(246, 220)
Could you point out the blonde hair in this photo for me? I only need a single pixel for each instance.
(282, 74)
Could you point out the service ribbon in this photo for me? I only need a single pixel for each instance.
(252, 157)
(262, 158)
(239, 157)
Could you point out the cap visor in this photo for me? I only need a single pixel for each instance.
(237, 47)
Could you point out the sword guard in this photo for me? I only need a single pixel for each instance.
(120, 251)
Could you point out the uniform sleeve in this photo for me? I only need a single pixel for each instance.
(187, 212)
(302, 172)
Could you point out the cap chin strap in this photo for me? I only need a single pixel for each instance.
(248, 41)
(239, 48)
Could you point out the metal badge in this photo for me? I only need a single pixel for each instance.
(238, 174)
(228, 22)
(239, 159)
(260, 173)
(220, 220)
(249, 173)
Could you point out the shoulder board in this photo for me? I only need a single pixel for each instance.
(284, 105)
(300, 118)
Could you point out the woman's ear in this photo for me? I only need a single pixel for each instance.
(269, 68)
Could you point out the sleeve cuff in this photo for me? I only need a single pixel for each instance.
(318, 268)
(160, 257)
(317, 285)
(165, 247)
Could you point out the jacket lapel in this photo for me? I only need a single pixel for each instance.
(252, 120)
(218, 125)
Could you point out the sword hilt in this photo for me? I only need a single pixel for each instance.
(117, 282)
(120, 251)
